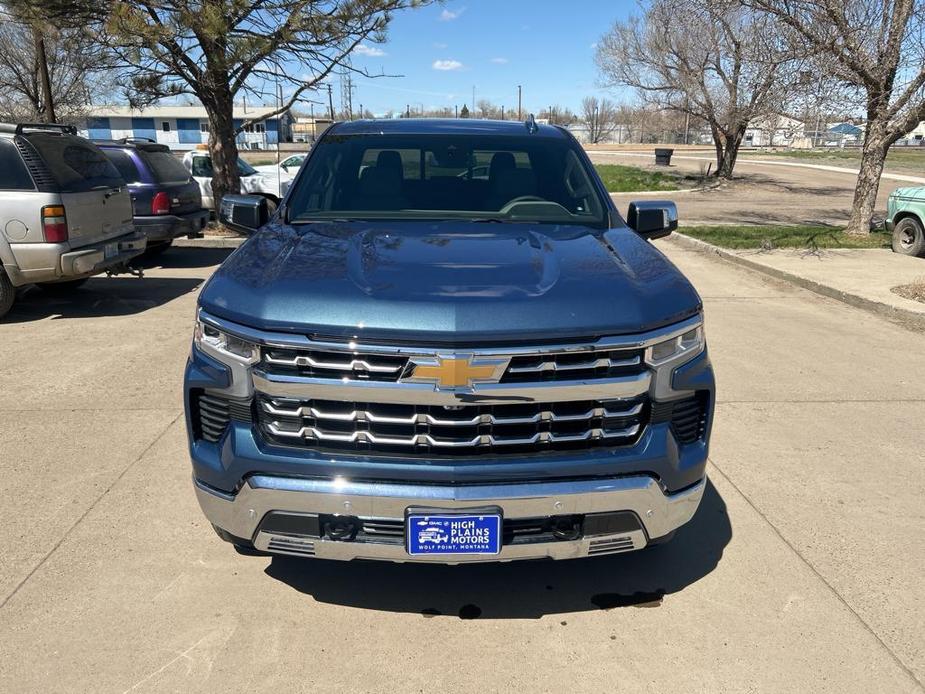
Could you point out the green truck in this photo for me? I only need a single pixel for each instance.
(905, 219)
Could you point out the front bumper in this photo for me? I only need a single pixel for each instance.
(171, 226)
(242, 513)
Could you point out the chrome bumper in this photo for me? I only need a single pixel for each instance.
(240, 514)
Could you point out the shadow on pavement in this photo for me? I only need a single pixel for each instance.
(184, 257)
(101, 296)
(521, 590)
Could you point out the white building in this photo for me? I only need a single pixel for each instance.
(183, 127)
(775, 130)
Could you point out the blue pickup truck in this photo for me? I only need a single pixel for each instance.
(446, 331)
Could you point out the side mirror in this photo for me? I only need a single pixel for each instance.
(652, 219)
(244, 213)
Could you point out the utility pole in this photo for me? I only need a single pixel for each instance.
(330, 103)
(502, 111)
(312, 107)
(407, 110)
(456, 108)
(41, 58)
(520, 115)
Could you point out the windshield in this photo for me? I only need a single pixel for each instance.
(202, 167)
(510, 178)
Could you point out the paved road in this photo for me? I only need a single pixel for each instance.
(760, 194)
(801, 572)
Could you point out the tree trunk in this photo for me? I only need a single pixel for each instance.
(727, 151)
(41, 63)
(223, 148)
(873, 158)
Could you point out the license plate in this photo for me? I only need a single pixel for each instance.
(111, 250)
(453, 534)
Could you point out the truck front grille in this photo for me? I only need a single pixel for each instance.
(463, 430)
(587, 364)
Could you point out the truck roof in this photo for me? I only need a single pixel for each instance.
(442, 126)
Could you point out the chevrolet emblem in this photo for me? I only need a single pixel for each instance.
(457, 370)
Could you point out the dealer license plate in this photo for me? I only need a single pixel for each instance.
(453, 534)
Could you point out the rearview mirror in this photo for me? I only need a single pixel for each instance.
(652, 219)
(244, 213)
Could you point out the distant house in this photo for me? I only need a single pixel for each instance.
(775, 130)
(307, 129)
(845, 133)
(183, 127)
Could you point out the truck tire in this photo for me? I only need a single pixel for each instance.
(7, 293)
(61, 288)
(909, 237)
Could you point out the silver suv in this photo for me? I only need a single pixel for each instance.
(65, 212)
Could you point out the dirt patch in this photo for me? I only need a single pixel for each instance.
(914, 291)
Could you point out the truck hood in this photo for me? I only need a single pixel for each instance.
(448, 282)
(909, 193)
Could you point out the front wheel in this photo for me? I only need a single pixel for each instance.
(62, 287)
(7, 294)
(909, 237)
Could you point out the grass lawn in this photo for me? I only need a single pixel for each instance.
(769, 237)
(630, 179)
(907, 158)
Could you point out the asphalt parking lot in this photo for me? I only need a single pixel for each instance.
(802, 570)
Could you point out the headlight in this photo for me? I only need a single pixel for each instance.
(677, 349)
(210, 339)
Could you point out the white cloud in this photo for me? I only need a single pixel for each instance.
(371, 51)
(450, 15)
(447, 65)
(499, 61)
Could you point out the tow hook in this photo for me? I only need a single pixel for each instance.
(123, 269)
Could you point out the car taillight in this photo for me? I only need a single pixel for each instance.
(160, 204)
(54, 224)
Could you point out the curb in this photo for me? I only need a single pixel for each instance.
(895, 313)
(210, 242)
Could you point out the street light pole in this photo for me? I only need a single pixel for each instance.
(519, 109)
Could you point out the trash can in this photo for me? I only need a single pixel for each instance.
(663, 156)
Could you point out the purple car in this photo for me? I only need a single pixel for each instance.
(166, 202)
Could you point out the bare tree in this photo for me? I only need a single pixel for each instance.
(218, 50)
(599, 116)
(47, 74)
(877, 47)
(713, 59)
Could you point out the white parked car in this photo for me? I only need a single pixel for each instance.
(287, 168)
(271, 186)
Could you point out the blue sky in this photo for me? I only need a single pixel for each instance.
(441, 51)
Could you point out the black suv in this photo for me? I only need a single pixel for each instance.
(166, 202)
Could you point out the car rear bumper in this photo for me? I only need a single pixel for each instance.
(281, 514)
(171, 226)
(54, 262)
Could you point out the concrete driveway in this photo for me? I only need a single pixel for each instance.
(802, 571)
(759, 194)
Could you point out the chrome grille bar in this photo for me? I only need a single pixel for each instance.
(426, 418)
(307, 360)
(546, 365)
(482, 440)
